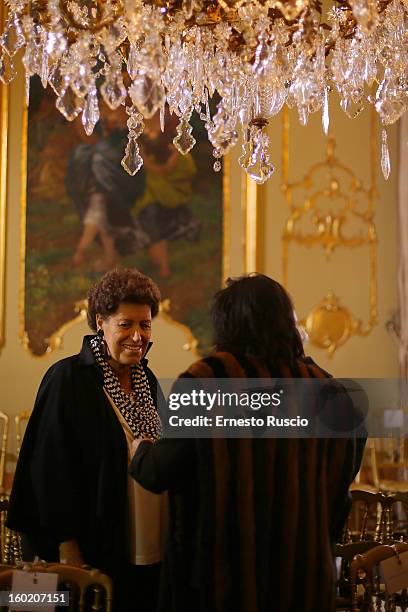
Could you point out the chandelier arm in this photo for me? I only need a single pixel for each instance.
(96, 26)
(350, 27)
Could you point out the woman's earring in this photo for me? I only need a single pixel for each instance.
(103, 347)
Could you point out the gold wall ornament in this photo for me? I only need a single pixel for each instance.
(4, 97)
(330, 208)
(226, 220)
(191, 343)
(56, 339)
(329, 324)
(251, 225)
(254, 202)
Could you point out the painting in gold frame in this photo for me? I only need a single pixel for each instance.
(180, 243)
(4, 93)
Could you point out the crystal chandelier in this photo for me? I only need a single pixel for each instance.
(252, 56)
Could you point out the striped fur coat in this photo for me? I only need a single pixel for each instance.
(252, 522)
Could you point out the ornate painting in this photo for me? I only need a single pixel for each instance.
(84, 215)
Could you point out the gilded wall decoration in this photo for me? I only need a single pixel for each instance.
(169, 221)
(4, 93)
(330, 208)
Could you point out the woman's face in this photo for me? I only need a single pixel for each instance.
(127, 332)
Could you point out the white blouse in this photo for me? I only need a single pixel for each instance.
(147, 512)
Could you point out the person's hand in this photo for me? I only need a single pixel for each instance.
(135, 444)
(70, 553)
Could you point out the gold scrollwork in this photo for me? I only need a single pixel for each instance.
(329, 324)
(347, 221)
(56, 339)
(191, 343)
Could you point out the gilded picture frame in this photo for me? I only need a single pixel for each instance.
(4, 97)
(44, 201)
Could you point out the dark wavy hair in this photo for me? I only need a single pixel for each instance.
(121, 285)
(254, 315)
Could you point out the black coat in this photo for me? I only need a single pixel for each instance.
(71, 476)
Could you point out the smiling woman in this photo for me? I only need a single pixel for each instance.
(127, 334)
(72, 497)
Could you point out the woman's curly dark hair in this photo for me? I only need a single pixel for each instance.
(254, 315)
(121, 285)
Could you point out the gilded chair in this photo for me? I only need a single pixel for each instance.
(379, 517)
(3, 451)
(20, 419)
(367, 477)
(89, 590)
(372, 522)
(367, 517)
(10, 547)
(368, 591)
(388, 465)
(344, 555)
(396, 516)
(392, 466)
(365, 529)
(10, 542)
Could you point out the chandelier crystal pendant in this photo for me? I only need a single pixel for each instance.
(255, 56)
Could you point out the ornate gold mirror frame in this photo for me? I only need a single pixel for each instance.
(330, 323)
(4, 92)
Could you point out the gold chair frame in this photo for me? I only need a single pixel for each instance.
(82, 578)
(362, 574)
(3, 452)
(18, 420)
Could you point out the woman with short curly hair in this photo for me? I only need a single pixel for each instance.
(72, 497)
(126, 285)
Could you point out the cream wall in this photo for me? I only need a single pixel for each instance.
(311, 274)
(374, 356)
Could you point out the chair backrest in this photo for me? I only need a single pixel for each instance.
(366, 520)
(3, 451)
(344, 554)
(396, 516)
(387, 461)
(368, 590)
(10, 541)
(381, 517)
(89, 589)
(20, 419)
(370, 464)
